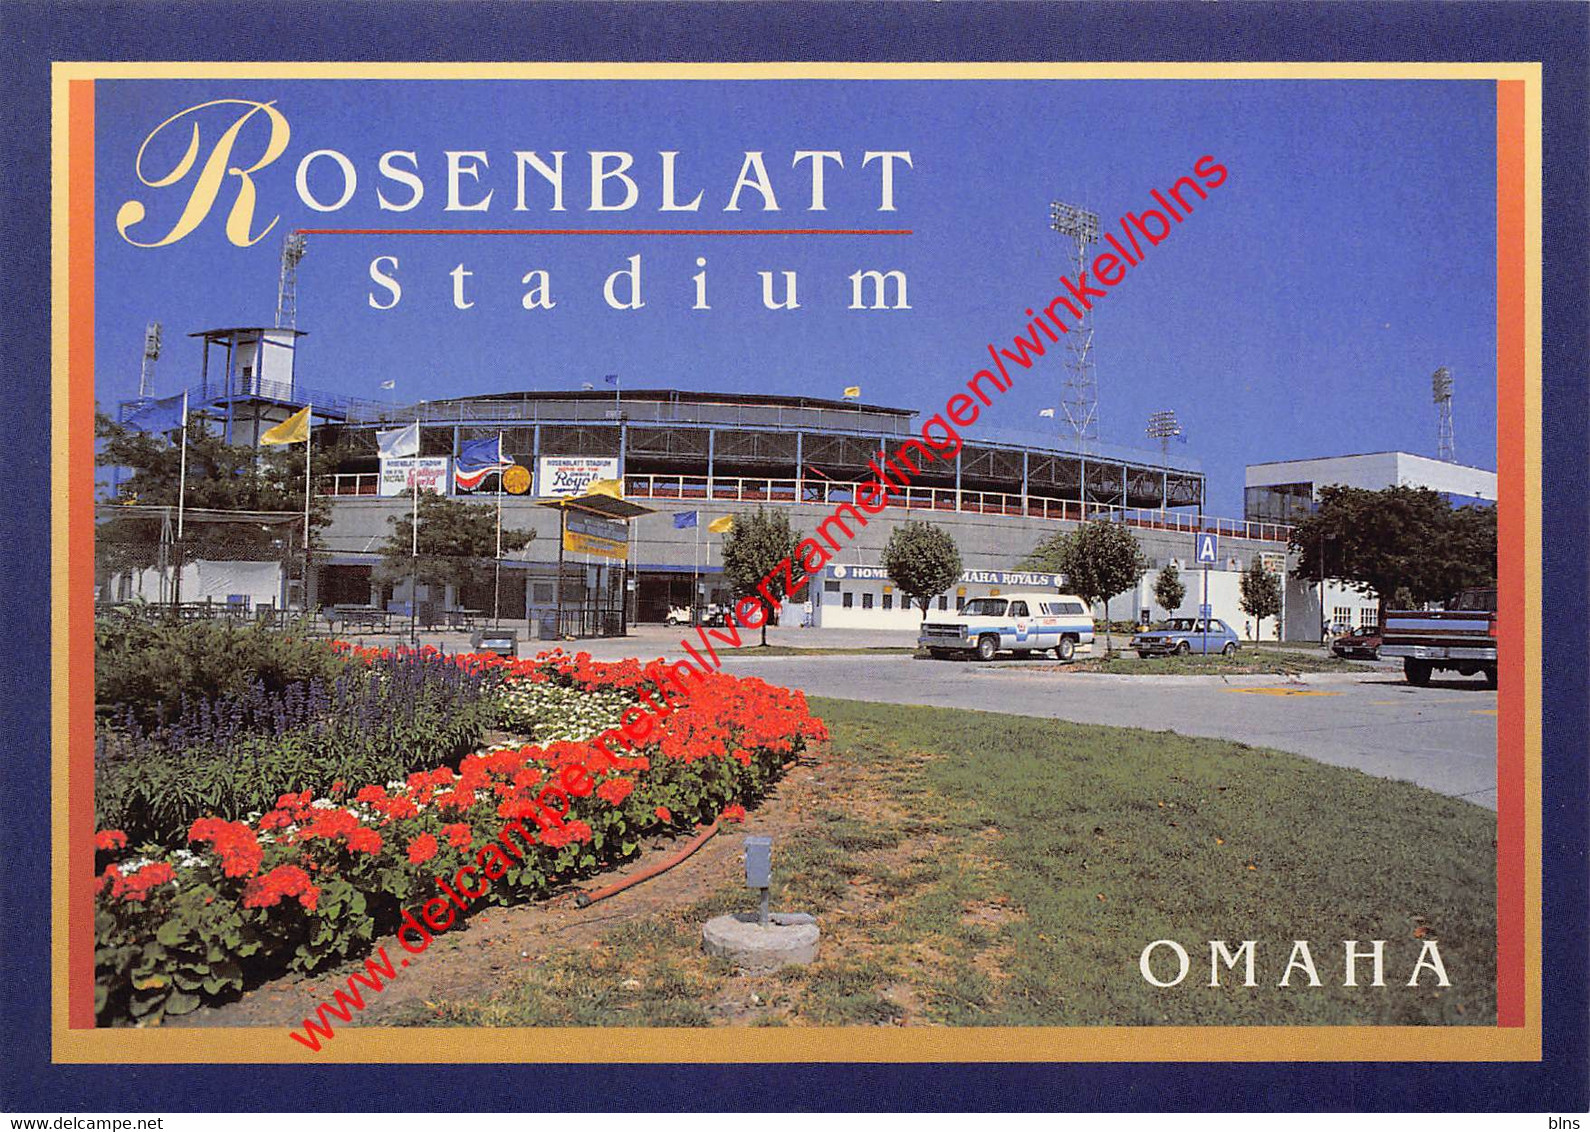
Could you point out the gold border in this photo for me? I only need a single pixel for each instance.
(653, 1045)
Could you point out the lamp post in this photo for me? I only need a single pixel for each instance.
(1323, 620)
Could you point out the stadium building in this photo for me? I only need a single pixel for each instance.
(692, 458)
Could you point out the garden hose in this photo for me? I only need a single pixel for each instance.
(703, 835)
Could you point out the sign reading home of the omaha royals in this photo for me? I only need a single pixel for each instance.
(571, 475)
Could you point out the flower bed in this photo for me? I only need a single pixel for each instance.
(235, 753)
(316, 879)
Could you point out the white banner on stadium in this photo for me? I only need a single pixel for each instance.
(398, 472)
(571, 475)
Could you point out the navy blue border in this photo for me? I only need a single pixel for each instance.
(34, 34)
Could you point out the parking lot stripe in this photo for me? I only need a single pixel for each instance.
(1281, 692)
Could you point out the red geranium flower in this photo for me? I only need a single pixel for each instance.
(363, 840)
(110, 839)
(459, 835)
(735, 812)
(663, 813)
(422, 849)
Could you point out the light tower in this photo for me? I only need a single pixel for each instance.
(1441, 390)
(287, 289)
(146, 376)
(1164, 427)
(1079, 399)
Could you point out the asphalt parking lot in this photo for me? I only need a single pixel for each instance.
(1442, 737)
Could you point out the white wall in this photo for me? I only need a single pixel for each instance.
(1376, 470)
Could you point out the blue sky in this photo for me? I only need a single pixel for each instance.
(1298, 312)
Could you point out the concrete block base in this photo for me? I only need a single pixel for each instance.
(789, 938)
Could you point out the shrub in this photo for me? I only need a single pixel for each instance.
(145, 665)
(236, 753)
(316, 879)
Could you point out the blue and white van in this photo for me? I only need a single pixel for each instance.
(1022, 623)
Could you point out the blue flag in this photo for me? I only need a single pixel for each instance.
(684, 520)
(611, 379)
(164, 415)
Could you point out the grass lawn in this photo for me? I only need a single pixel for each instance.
(970, 868)
(1249, 661)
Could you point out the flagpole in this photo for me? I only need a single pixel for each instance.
(414, 541)
(496, 585)
(182, 488)
(695, 569)
(182, 465)
(309, 428)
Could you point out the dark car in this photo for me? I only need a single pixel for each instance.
(1360, 644)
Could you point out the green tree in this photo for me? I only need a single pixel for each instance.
(1169, 591)
(922, 560)
(457, 543)
(220, 477)
(1099, 559)
(757, 546)
(1261, 596)
(1408, 539)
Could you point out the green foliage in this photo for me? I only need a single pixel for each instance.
(1261, 595)
(221, 476)
(1099, 559)
(457, 543)
(198, 934)
(757, 544)
(922, 560)
(143, 666)
(1399, 538)
(1169, 591)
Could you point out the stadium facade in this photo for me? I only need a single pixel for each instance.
(693, 458)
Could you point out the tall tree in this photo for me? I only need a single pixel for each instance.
(457, 544)
(922, 560)
(1169, 590)
(1099, 559)
(1261, 596)
(757, 546)
(1407, 539)
(220, 477)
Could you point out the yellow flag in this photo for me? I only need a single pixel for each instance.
(719, 526)
(853, 392)
(293, 430)
(612, 488)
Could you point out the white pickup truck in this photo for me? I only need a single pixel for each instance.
(1022, 623)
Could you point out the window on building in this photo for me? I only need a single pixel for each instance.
(888, 601)
(831, 587)
(1341, 615)
(849, 599)
(1368, 617)
(944, 602)
(542, 593)
(866, 601)
(1278, 502)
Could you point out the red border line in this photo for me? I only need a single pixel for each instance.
(1512, 462)
(604, 231)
